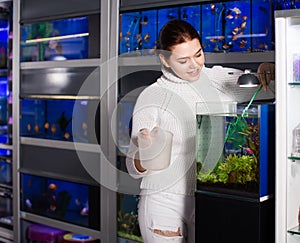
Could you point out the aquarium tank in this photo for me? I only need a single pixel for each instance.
(55, 40)
(63, 200)
(65, 120)
(224, 26)
(235, 148)
(127, 218)
(124, 118)
(4, 30)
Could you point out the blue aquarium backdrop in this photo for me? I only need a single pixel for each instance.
(5, 171)
(224, 26)
(4, 93)
(148, 38)
(4, 32)
(55, 40)
(67, 201)
(165, 15)
(286, 4)
(130, 29)
(262, 25)
(55, 119)
(192, 15)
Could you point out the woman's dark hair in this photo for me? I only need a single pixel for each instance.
(176, 32)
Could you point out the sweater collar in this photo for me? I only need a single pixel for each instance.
(169, 76)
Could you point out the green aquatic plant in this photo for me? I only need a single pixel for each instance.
(128, 226)
(233, 169)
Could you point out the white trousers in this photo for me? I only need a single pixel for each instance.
(166, 212)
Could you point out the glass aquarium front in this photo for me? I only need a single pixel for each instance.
(65, 120)
(235, 148)
(4, 30)
(55, 40)
(66, 201)
(224, 26)
(6, 215)
(127, 218)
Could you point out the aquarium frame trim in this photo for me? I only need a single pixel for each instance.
(86, 147)
(91, 62)
(60, 224)
(210, 58)
(60, 97)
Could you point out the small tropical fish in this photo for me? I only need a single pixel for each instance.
(213, 40)
(234, 37)
(244, 17)
(36, 128)
(28, 127)
(236, 10)
(53, 129)
(243, 43)
(67, 135)
(243, 25)
(235, 30)
(47, 125)
(147, 37)
(229, 16)
(52, 186)
(227, 46)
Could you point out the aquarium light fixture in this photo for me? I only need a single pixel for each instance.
(248, 79)
(57, 38)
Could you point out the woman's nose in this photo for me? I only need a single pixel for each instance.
(193, 62)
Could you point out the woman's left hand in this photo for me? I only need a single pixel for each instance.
(266, 74)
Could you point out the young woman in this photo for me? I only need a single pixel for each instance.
(166, 207)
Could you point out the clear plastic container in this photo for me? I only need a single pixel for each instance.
(155, 148)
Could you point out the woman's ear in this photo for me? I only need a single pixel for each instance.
(163, 60)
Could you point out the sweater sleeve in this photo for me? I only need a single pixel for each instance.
(145, 115)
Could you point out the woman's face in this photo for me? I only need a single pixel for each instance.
(186, 60)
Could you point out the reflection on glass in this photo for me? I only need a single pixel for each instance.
(55, 40)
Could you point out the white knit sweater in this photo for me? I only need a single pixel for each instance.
(170, 103)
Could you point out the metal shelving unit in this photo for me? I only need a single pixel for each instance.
(287, 24)
(41, 149)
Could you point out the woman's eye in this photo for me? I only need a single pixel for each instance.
(182, 61)
(199, 55)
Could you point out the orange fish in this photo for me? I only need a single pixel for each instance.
(47, 125)
(36, 128)
(53, 129)
(243, 25)
(213, 40)
(243, 43)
